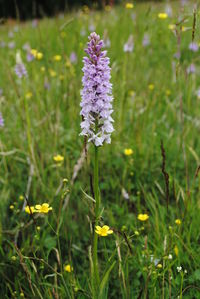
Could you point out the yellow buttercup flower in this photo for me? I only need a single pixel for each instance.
(11, 207)
(52, 73)
(151, 86)
(58, 158)
(68, 268)
(183, 29)
(159, 266)
(143, 217)
(57, 58)
(34, 52)
(178, 221)
(128, 151)
(39, 56)
(29, 210)
(103, 231)
(21, 197)
(171, 26)
(44, 208)
(68, 63)
(129, 5)
(29, 95)
(162, 15)
(131, 93)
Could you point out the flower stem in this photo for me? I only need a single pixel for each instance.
(181, 292)
(96, 182)
(97, 204)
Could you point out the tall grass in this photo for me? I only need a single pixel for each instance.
(140, 259)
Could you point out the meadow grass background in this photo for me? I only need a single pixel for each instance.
(40, 126)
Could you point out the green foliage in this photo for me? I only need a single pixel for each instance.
(42, 119)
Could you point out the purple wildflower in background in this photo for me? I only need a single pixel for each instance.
(29, 56)
(47, 85)
(129, 45)
(96, 107)
(191, 69)
(26, 47)
(1, 120)
(193, 47)
(184, 2)
(107, 43)
(73, 57)
(11, 45)
(20, 68)
(146, 40)
(168, 10)
(91, 27)
(83, 32)
(34, 23)
(177, 55)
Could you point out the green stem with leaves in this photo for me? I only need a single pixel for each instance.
(181, 292)
(97, 205)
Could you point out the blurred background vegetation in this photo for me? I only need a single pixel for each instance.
(25, 9)
(28, 9)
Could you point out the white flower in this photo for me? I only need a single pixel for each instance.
(129, 45)
(125, 194)
(170, 256)
(179, 269)
(18, 57)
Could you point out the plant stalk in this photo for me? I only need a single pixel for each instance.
(97, 204)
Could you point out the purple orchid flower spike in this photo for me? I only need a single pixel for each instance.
(20, 68)
(96, 107)
(1, 120)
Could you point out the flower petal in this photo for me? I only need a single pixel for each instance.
(45, 205)
(98, 232)
(110, 231)
(98, 227)
(38, 207)
(106, 227)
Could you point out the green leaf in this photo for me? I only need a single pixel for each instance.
(197, 274)
(49, 242)
(103, 285)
